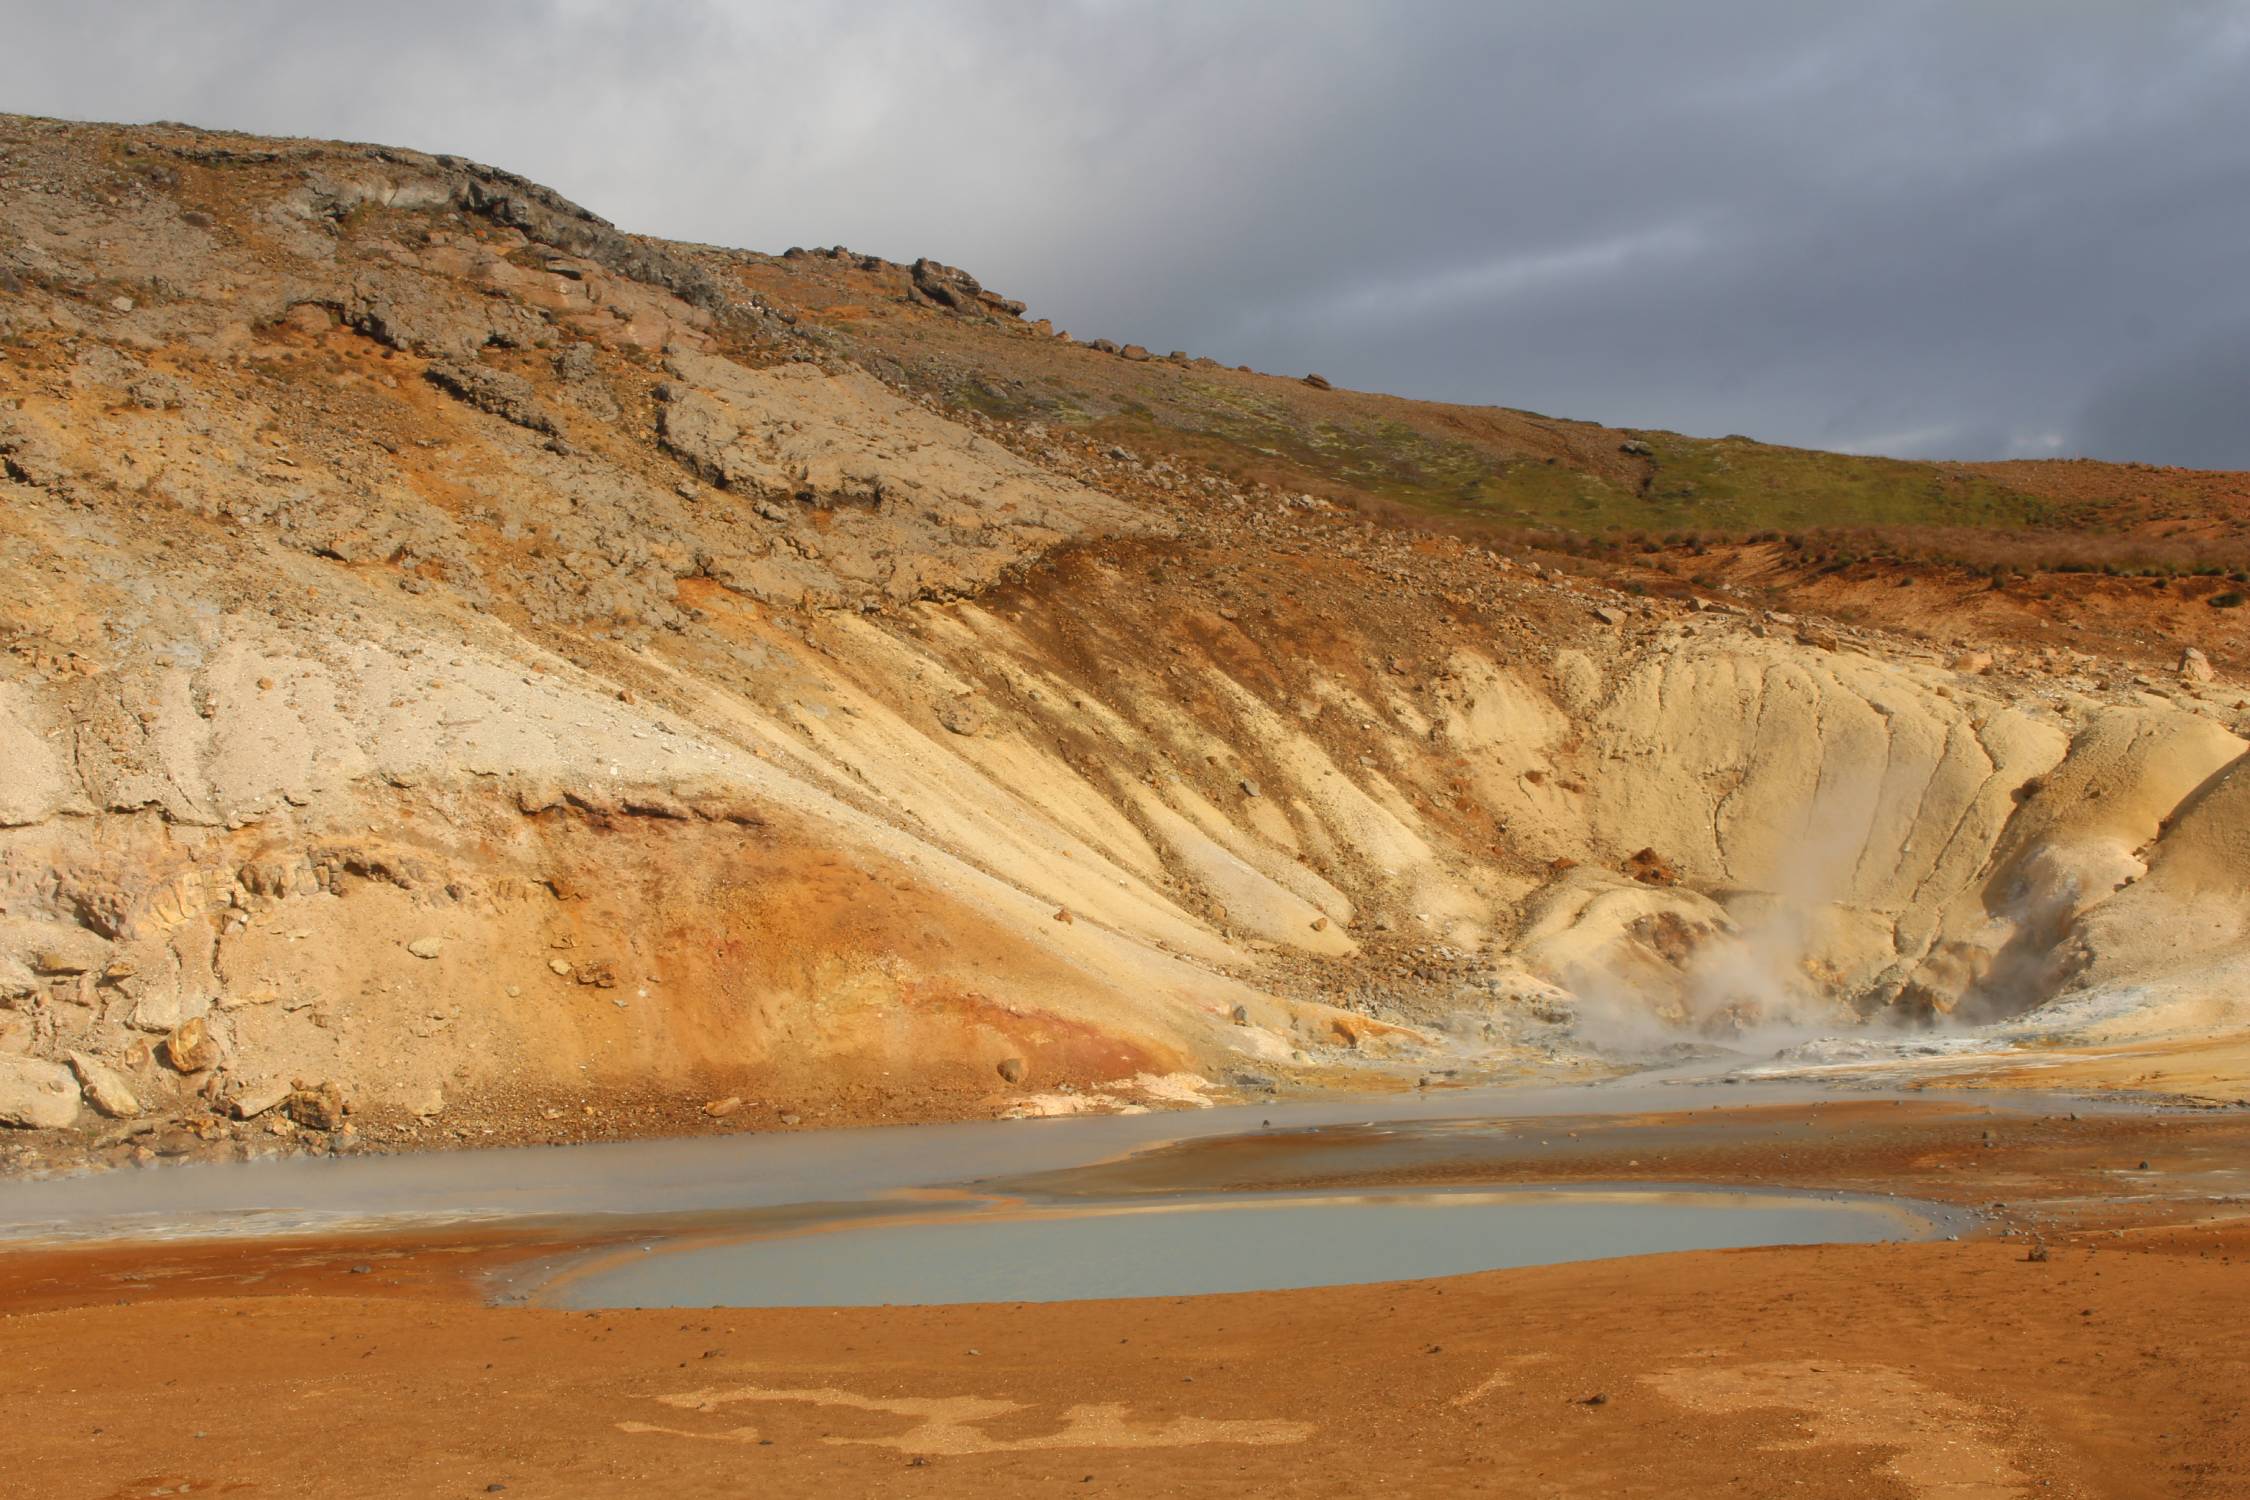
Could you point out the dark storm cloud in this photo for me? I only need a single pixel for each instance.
(2191, 407)
(1950, 228)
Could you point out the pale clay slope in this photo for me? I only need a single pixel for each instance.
(575, 694)
(1892, 853)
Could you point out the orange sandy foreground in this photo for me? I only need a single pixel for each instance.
(2114, 1366)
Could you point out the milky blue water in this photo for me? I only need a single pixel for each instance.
(1207, 1244)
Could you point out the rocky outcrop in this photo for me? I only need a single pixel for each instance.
(506, 395)
(956, 291)
(916, 504)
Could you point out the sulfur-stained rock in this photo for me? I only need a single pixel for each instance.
(191, 1048)
(316, 1107)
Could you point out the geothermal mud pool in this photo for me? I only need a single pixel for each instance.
(1052, 1211)
(1226, 1244)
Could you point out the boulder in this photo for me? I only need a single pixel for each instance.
(317, 1107)
(37, 1095)
(425, 947)
(191, 1048)
(947, 286)
(2195, 666)
(1318, 382)
(1011, 1069)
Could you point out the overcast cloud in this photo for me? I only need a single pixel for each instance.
(1970, 228)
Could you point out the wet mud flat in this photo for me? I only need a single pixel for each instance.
(2026, 1162)
(1192, 1245)
(374, 1363)
(745, 1172)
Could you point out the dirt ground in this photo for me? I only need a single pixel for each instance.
(2115, 1366)
(2213, 1070)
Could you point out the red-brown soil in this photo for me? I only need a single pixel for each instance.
(2114, 1367)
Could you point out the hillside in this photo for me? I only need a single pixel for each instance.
(474, 673)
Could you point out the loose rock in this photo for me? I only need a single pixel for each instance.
(254, 1099)
(103, 1088)
(319, 1107)
(191, 1048)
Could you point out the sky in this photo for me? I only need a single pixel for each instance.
(1930, 228)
